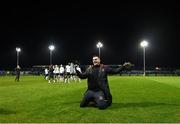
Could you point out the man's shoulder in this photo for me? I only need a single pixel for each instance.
(103, 66)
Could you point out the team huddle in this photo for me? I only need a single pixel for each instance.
(62, 73)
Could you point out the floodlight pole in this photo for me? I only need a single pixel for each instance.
(51, 48)
(99, 45)
(144, 56)
(144, 44)
(17, 58)
(50, 57)
(18, 50)
(99, 52)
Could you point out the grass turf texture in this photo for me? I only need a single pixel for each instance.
(135, 99)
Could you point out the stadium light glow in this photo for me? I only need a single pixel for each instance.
(18, 49)
(144, 44)
(51, 48)
(99, 45)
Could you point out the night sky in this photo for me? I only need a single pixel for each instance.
(75, 28)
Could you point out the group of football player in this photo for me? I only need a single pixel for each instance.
(62, 73)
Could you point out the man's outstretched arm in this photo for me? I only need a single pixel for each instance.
(82, 75)
(110, 70)
(119, 69)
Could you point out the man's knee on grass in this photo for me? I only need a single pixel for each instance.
(101, 104)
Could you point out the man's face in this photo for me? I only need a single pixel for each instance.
(96, 60)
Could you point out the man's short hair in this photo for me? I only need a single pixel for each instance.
(95, 56)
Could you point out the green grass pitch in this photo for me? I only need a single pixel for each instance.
(135, 99)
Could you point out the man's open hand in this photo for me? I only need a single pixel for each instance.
(127, 65)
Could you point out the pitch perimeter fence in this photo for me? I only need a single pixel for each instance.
(134, 71)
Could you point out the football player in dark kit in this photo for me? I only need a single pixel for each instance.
(51, 74)
(98, 90)
(17, 70)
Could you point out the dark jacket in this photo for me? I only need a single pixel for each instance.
(97, 79)
(17, 70)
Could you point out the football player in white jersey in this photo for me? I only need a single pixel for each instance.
(79, 69)
(56, 72)
(67, 73)
(72, 72)
(61, 71)
(46, 72)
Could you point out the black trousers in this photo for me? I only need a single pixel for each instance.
(17, 77)
(93, 96)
